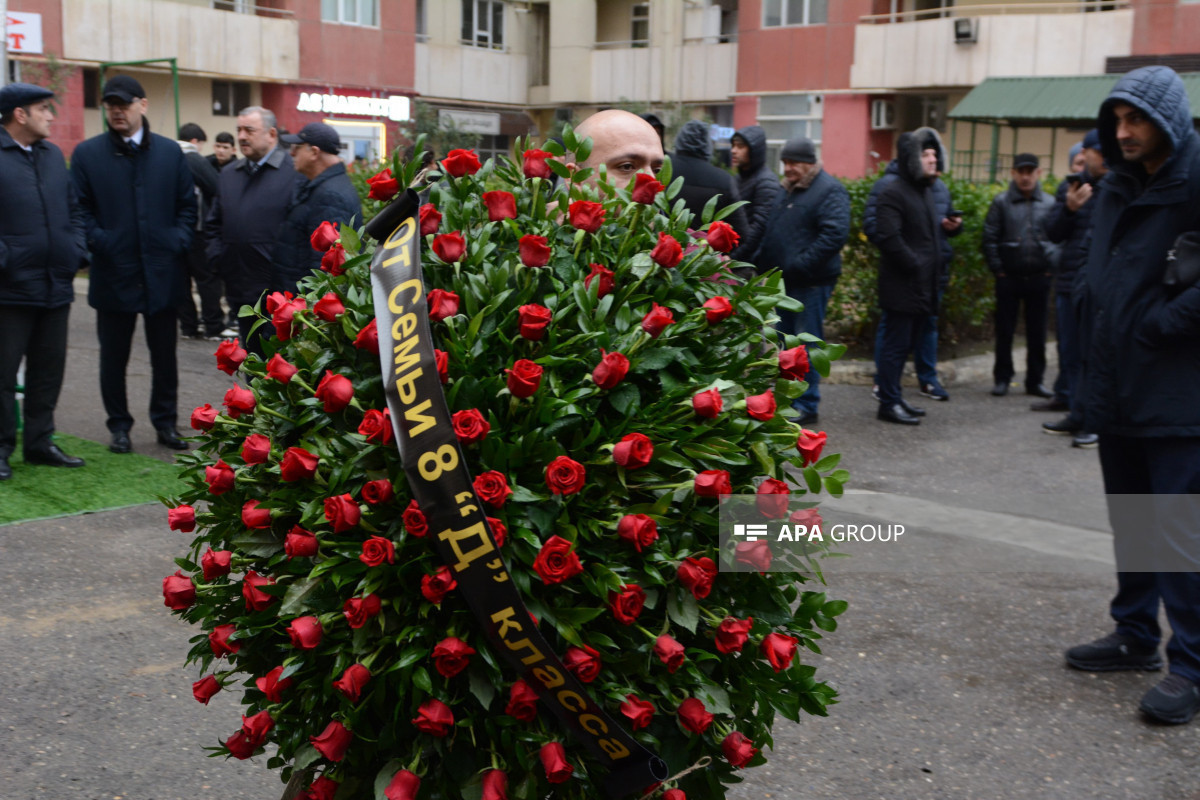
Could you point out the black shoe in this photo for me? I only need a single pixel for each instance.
(52, 456)
(1039, 390)
(808, 418)
(1087, 441)
(934, 391)
(1050, 405)
(911, 409)
(1064, 427)
(5, 469)
(169, 437)
(896, 413)
(1175, 700)
(1114, 652)
(1000, 389)
(120, 442)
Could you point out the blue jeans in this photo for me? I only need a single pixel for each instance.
(925, 352)
(1068, 349)
(810, 320)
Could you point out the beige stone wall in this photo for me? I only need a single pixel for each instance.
(195, 105)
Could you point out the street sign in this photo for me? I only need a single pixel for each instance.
(24, 32)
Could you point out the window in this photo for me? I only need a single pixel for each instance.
(91, 87)
(422, 22)
(240, 6)
(785, 116)
(639, 32)
(351, 12)
(491, 146)
(777, 13)
(483, 23)
(229, 97)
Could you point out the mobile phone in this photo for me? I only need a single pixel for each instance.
(954, 212)
(1074, 180)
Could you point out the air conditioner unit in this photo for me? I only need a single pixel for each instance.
(883, 115)
(966, 30)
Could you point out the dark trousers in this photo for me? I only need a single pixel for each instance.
(39, 335)
(115, 329)
(208, 286)
(1070, 361)
(1157, 466)
(901, 336)
(810, 320)
(925, 354)
(1011, 292)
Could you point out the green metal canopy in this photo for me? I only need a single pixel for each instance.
(1046, 102)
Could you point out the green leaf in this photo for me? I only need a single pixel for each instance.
(659, 358)
(624, 398)
(820, 361)
(812, 478)
(715, 697)
(707, 214)
(350, 241)
(828, 462)
(384, 777)
(305, 756)
(297, 593)
(420, 679)
(482, 687)
(685, 612)
(834, 608)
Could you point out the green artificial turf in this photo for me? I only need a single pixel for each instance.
(107, 481)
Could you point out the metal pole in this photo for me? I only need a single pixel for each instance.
(175, 80)
(4, 38)
(995, 152)
(1053, 142)
(953, 137)
(971, 176)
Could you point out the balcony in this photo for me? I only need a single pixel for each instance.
(696, 71)
(471, 73)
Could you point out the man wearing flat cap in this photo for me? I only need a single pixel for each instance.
(41, 249)
(324, 194)
(139, 208)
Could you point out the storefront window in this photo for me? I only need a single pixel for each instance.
(786, 116)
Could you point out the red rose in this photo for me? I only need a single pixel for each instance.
(627, 604)
(697, 574)
(329, 307)
(376, 425)
(300, 543)
(522, 702)
(434, 717)
(334, 741)
(178, 591)
(342, 512)
(524, 378)
(586, 215)
(219, 477)
(461, 162)
(442, 304)
(279, 369)
(442, 360)
(779, 650)
(335, 392)
(352, 682)
(639, 711)
(761, 406)
(435, 587)
(492, 488)
(469, 425)
(534, 164)
(414, 520)
(717, 309)
(565, 476)
(229, 356)
(239, 401)
(533, 320)
(305, 632)
(403, 786)
(713, 483)
(611, 370)
(808, 517)
(215, 563)
(378, 492)
(772, 499)
(732, 634)
(674, 794)
(256, 598)
(383, 186)
(334, 260)
(449, 247)
(499, 532)
(431, 218)
(669, 651)
(204, 689)
(794, 364)
(738, 749)
(276, 300)
(554, 761)
(810, 444)
(368, 338)
(756, 555)
(693, 716)
(557, 561)
(377, 550)
(500, 205)
(583, 662)
(324, 236)
(721, 237)
(667, 252)
(638, 529)
(645, 188)
(359, 610)
(634, 451)
(451, 656)
(534, 250)
(283, 316)
(218, 640)
(182, 518)
(256, 448)
(707, 404)
(607, 279)
(323, 788)
(257, 727)
(495, 785)
(298, 464)
(240, 746)
(657, 320)
(254, 517)
(204, 417)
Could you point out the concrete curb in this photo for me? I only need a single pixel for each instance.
(974, 370)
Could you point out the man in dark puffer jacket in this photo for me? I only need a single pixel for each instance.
(702, 181)
(757, 184)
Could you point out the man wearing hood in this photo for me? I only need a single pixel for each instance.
(757, 184)
(1141, 380)
(703, 181)
(204, 274)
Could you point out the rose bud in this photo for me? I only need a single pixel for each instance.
(645, 188)
(794, 364)
(414, 520)
(279, 369)
(554, 761)
(638, 529)
(522, 702)
(670, 652)
(586, 215)
(182, 518)
(772, 499)
(300, 543)
(761, 406)
(305, 632)
(611, 370)
(500, 205)
(256, 598)
(708, 404)
(524, 378)
(273, 686)
(239, 401)
(627, 604)
(533, 163)
(359, 610)
(721, 237)
(334, 260)
(256, 448)
(442, 304)
(674, 794)
(434, 587)
(204, 689)
(534, 250)
(756, 555)
(342, 512)
(219, 478)
(403, 786)
(298, 464)
(204, 417)
(335, 392)
(810, 518)
(378, 492)
(533, 320)
(738, 749)
(583, 663)
(693, 716)
(696, 575)
(323, 788)
(458, 163)
(434, 717)
(442, 360)
(810, 444)
(276, 300)
(229, 356)
(254, 517)
(469, 426)
(283, 318)
(495, 785)
(607, 279)
(667, 252)
(634, 451)
(732, 634)
(329, 307)
(657, 320)
(557, 561)
(565, 475)
(451, 656)
(449, 247)
(218, 640)
(352, 682)
(368, 338)
(717, 309)
(377, 550)
(779, 650)
(324, 236)
(257, 727)
(215, 563)
(179, 592)
(712, 483)
(383, 186)
(240, 746)
(376, 425)
(639, 712)
(499, 532)
(492, 488)
(431, 218)
(334, 741)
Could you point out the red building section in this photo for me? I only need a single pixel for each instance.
(1165, 27)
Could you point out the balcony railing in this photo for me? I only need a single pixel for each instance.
(996, 9)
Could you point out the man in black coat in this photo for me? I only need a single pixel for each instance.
(199, 270)
(702, 181)
(41, 249)
(757, 184)
(224, 151)
(139, 208)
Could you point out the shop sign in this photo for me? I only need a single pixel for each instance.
(482, 122)
(395, 107)
(24, 32)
